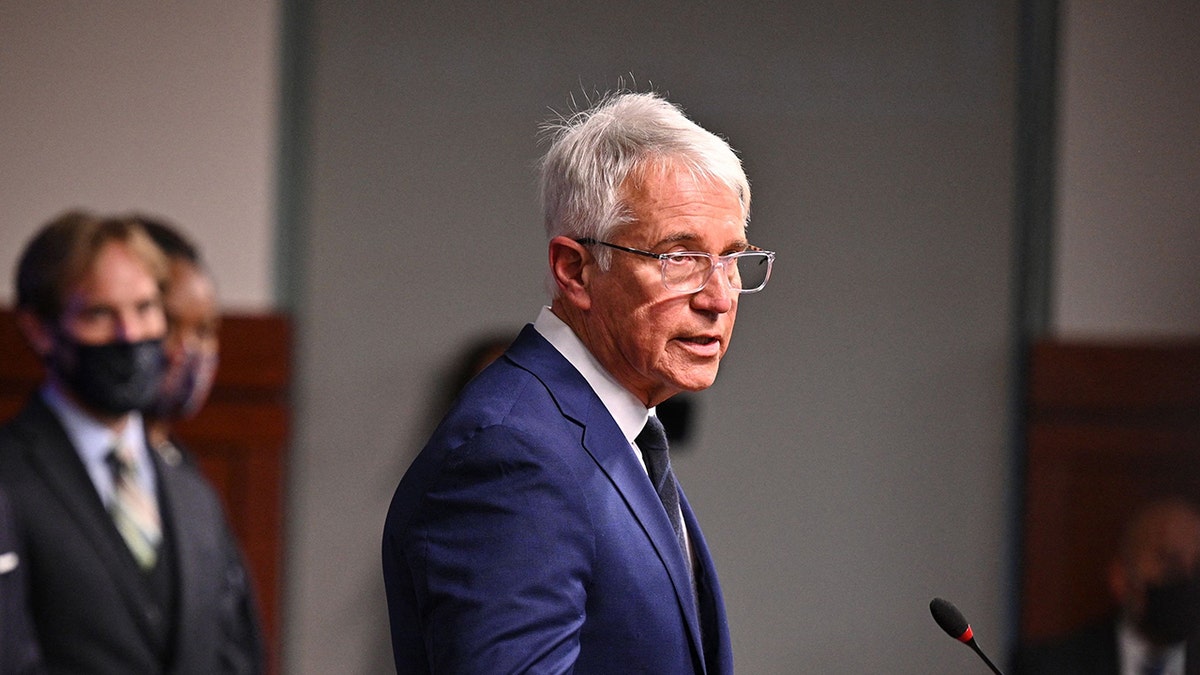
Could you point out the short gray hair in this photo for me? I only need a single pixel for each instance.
(593, 152)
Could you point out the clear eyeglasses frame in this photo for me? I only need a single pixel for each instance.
(690, 271)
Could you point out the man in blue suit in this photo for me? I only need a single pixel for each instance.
(541, 529)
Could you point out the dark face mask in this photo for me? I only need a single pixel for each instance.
(1172, 610)
(113, 378)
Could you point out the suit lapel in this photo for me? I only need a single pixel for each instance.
(611, 451)
(603, 440)
(718, 657)
(53, 457)
(188, 536)
(1191, 662)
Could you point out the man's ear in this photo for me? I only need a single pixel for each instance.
(37, 332)
(571, 269)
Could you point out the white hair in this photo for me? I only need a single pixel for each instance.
(593, 152)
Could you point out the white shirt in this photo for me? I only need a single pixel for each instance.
(93, 441)
(1134, 649)
(629, 413)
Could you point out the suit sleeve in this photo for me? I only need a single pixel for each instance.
(500, 552)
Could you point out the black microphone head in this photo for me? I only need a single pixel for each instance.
(950, 619)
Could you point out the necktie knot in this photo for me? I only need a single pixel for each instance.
(652, 441)
(121, 463)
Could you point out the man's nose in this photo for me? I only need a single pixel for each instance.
(132, 326)
(717, 294)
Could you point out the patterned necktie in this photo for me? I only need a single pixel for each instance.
(133, 509)
(652, 441)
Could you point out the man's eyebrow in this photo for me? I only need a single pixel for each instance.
(677, 237)
(91, 303)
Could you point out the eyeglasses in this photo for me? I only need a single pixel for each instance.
(689, 271)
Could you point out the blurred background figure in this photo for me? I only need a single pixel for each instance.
(1155, 583)
(193, 326)
(477, 355)
(130, 560)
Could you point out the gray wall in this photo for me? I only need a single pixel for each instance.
(851, 461)
(1128, 221)
(166, 108)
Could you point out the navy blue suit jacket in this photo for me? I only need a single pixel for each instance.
(526, 537)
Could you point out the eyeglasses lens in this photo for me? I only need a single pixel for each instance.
(689, 273)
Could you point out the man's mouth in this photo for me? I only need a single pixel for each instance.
(703, 345)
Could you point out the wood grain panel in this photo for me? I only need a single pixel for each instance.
(1109, 427)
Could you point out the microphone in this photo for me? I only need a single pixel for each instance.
(952, 621)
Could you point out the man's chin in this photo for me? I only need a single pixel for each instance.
(671, 382)
(696, 381)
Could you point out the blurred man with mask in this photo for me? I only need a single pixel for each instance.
(1155, 581)
(131, 563)
(192, 342)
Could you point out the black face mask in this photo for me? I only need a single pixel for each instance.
(113, 378)
(1172, 610)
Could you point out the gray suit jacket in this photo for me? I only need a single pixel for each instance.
(93, 609)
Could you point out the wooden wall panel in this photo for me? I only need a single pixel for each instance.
(239, 439)
(1110, 426)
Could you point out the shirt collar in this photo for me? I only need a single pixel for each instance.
(628, 412)
(93, 440)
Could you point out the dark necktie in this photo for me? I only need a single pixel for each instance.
(652, 441)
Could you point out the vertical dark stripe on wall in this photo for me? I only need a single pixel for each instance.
(291, 206)
(1036, 112)
(1033, 235)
